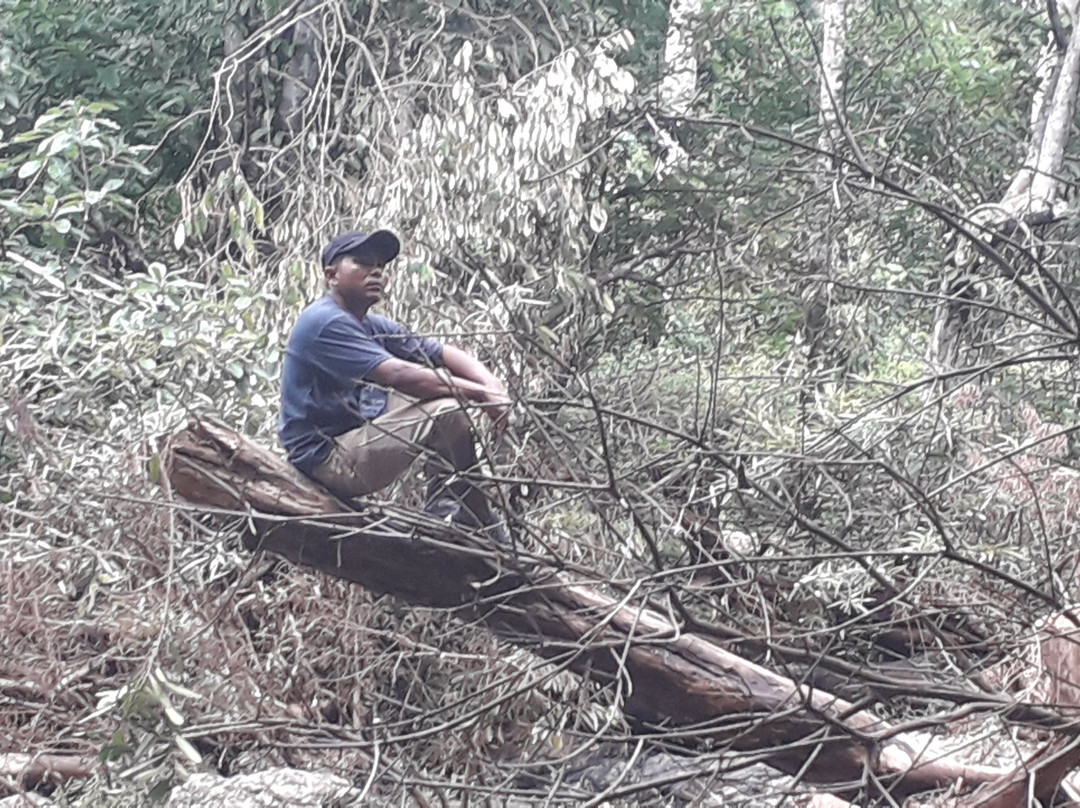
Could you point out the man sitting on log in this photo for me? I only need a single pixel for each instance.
(362, 397)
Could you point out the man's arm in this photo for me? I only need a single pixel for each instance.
(463, 376)
(466, 366)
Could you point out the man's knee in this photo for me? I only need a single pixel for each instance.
(450, 416)
(450, 435)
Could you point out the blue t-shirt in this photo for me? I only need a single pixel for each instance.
(324, 381)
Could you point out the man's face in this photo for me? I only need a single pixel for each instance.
(359, 281)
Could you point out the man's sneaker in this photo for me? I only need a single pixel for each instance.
(497, 530)
(447, 509)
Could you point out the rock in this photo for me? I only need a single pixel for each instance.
(680, 781)
(27, 800)
(275, 788)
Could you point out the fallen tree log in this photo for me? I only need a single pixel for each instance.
(31, 770)
(682, 684)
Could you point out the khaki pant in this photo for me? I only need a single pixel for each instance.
(371, 457)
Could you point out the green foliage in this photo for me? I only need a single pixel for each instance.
(70, 168)
(962, 75)
(101, 353)
(754, 63)
(96, 347)
(151, 60)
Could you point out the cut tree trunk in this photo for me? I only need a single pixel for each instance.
(673, 680)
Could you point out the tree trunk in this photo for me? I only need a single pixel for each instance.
(1030, 200)
(827, 248)
(673, 679)
(238, 95)
(831, 79)
(678, 87)
(301, 72)
(1033, 190)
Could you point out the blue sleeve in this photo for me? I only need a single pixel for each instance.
(403, 344)
(345, 348)
(344, 351)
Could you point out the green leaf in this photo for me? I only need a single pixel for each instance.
(153, 471)
(60, 171)
(16, 209)
(160, 791)
(29, 168)
(57, 143)
(98, 107)
(189, 751)
(116, 749)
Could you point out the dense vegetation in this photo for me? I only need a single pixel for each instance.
(720, 333)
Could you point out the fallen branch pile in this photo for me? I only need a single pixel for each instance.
(674, 681)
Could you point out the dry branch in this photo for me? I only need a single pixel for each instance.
(679, 683)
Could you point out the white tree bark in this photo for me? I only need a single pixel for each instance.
(1032, 196)
(678, 87)
(831, 83)
(826, 252)
(1033, 191)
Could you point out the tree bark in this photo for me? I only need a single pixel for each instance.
(1034, 188)
(1030, 200)
(673, 679)
(826, 251)
(831, 80)
(237, 98)
(678, 87)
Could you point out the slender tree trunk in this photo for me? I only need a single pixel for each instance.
(827, 248)
(237, 98)
(1034, 189)
(678, 86)
(301, 71)
(299, 77)
(831, 116)
(1030, 200)
(672, 679)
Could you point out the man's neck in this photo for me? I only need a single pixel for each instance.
(359, 312)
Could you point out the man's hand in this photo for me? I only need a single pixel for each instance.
(464, 377)
(494, 400)
(497, 405)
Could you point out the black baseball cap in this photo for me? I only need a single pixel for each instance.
(382, 245)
